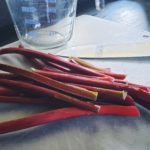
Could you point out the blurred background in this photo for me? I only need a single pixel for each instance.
(134, 13)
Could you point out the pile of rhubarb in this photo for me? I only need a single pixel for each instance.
(71, 87)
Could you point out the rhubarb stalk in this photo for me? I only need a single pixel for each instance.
(37, 101)
(50, 82)
(51, 93)
(8, 91)
(70, 77)
(87, 64)
(63, 113)
(51, 58)
(106, 72)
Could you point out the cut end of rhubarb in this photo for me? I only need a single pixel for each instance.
(97, 108)
(70, 57)
(125, 95)
(33, 69)
(91, 94)
(96, 95)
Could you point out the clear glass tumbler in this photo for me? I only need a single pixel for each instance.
(43, 24)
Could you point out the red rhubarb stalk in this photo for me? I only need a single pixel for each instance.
(37, 63)
(110, 96)
(50, 82)
(50, 93)
(129, 101)
(24, 100)
(106, 93)
(31, 100)
(143, 98)
(7, 91)
(59, 67)
(133, 91)
(40, 101)
(7, 76)
(63, 113)
(81, 62)
(71, 77)
(101, 70)
(145, 88)
(41, 65)
(51, 58)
